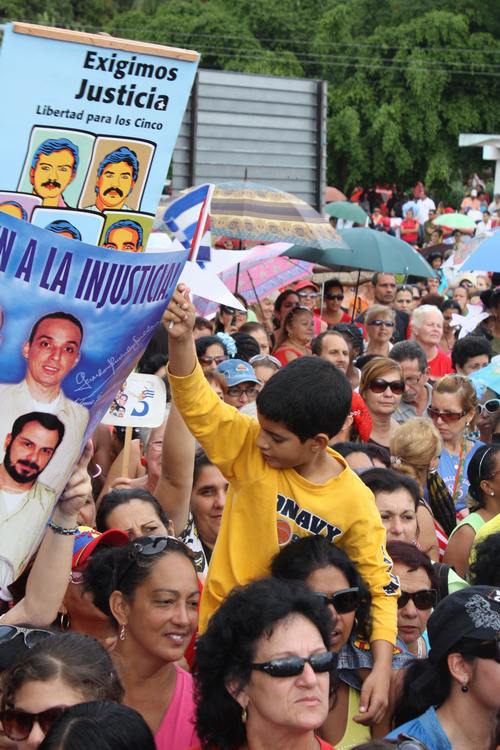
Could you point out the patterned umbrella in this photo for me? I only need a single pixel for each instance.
(260, 274)
(250, 211)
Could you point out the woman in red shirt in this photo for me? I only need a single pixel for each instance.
(409, 228)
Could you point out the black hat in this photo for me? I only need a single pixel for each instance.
(472, 613)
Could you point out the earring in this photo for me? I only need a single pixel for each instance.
(64, 621)
(492, 493)
(122, 632)
(465, 688)
(244, 715)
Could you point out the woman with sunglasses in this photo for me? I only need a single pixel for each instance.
(61, 670)
(333, 295)
(210, 351)
(379, 323)
(418, 596)
(451, 700)
(295, 338)
(229, 319)
(264, 673)
(483, 473)
(488, 412)
(332, 576)
(453, 410)
(150, 592)
(381, 387)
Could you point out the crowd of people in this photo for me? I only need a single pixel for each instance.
(305, 554)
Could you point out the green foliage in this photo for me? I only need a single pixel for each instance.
(403, 80)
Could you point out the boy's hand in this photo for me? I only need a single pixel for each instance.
(180, 315)
(374, 698)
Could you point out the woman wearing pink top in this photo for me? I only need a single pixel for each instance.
(150, 591)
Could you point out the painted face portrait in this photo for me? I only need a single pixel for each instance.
(124, 238)
(114, 185)
(52, 175)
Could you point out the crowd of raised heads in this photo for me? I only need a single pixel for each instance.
(305, 553)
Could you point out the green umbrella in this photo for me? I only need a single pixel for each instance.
(370, 250)
(346, 210)
(455, 221)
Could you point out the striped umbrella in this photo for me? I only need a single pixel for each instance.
(251, 211)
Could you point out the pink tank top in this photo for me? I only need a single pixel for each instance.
(177, 731)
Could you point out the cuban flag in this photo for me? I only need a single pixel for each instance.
(188, 218)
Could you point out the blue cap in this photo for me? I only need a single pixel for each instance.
(236, 371)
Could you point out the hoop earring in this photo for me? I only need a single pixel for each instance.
(64, 623)
(122, 632)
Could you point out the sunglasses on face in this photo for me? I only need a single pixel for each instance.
(344, 601)
(490, 406)
(338, 297)
(228, 310)
(446, 416)
(31, 636)
(424, 599)
(207, 360)
(307, 295)
(238, 392)
(17, 725)
(379, 323)
(379, 385)
(291, 666)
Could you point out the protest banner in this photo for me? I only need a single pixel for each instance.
(74, 322)
(88, 126)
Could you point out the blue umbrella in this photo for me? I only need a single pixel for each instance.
(486, 257)
(487, 377)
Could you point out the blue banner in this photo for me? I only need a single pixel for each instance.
(74, 321)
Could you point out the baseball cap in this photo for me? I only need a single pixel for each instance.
(472, 613)
(306, 284)
(237, 371)
(88, 539)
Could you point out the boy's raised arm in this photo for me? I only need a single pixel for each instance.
(178, 319)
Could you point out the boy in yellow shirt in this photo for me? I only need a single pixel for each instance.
(285, 482)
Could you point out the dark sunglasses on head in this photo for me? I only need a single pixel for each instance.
(490, 406)
(379, 385)
(343, 601)
(379, 323)
(17, 725)
(424, 599)
(338, 297)
(291, 666)
(405, 742)
(445, 416)
(205, 359)
(31, 636)
(153, 546)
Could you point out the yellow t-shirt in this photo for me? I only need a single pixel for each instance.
(266, 508)
(490, 527)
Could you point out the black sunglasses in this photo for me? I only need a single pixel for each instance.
(378, 323)
(291, 666)
(153, 546)
(17, 725)
(338, 297)
(424, 599)
(343, 601)
(31, 636)
(405, 742)
(379, 385)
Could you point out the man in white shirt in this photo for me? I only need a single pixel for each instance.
(52, 350)
(424, 205)
(25, 503)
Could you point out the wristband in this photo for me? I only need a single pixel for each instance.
(61, 530)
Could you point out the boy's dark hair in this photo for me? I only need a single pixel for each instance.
(485, 570)
(387, 480)
(300, 559)
(495, 279)
(308, 396)
(333, 284)
(469, 346)
(450, 304)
